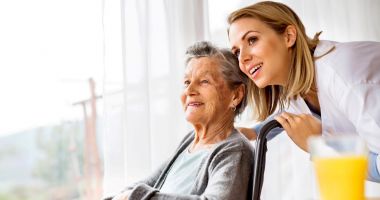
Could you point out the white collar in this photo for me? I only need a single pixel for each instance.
(324, 47)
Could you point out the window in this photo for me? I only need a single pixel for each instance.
(49, 51)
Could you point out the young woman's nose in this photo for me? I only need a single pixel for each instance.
(244, 56)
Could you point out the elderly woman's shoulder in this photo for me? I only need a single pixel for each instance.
(236, 142)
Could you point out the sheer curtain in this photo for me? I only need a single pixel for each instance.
(145, 42)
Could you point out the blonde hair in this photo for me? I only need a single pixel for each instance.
(301, 78)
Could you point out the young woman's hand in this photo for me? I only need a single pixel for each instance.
(300, 127)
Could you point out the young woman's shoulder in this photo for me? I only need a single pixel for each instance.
(353, 62)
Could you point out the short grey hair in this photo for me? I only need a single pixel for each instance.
(229, 66)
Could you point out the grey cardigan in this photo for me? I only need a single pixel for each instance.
(225, 174)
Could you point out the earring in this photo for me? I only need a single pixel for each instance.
(233, 108)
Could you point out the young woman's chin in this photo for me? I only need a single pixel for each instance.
(260, 83)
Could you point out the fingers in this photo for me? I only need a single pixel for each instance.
(290, 120)
(283, 121)
(299, 127)
(289, 117)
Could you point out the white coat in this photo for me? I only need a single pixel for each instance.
(348, 82)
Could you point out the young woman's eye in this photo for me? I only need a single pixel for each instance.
(252, 40)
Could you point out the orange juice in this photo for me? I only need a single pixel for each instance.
(341, 178)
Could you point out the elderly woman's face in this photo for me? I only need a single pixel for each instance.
(206, 97)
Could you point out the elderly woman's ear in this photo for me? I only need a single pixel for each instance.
(238, 95)
(249, 133)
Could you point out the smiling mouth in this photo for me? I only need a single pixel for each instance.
(194, 104)
(254, 70)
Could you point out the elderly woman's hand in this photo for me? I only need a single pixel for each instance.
(248, 133)
(300, 127)
(122, 196)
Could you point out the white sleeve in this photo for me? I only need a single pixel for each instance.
(361, 104)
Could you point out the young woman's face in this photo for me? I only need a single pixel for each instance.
(263, 54)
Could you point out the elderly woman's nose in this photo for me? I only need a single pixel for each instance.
(191, 89)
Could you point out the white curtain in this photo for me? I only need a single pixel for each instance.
(145, 42)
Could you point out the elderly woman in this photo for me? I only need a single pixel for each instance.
(214, 161)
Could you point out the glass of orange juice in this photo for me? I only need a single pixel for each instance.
(340, 163)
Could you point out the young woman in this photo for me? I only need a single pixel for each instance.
(318, 86)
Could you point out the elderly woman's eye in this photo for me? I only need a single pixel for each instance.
(252, 40)
(205, 81)
(186, 82)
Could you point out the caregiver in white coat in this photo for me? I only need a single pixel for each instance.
(309, 86)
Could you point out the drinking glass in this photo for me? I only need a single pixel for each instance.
(340, 163)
